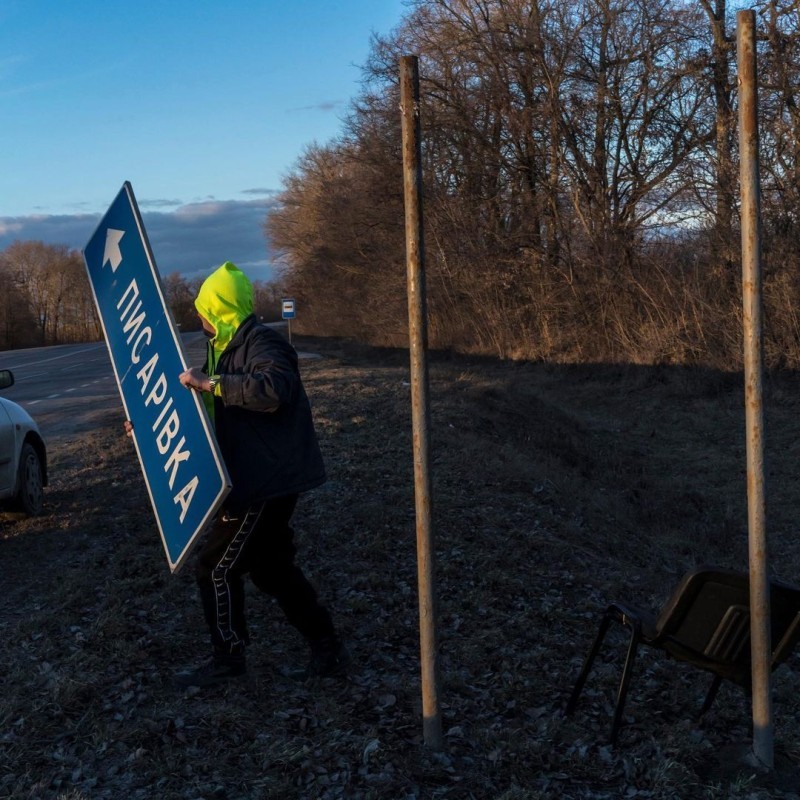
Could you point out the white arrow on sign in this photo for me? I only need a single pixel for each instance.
(112, 253)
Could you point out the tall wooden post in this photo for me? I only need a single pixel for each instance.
(761, 647)
(418, 343)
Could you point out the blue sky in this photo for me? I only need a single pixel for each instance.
(203, 106)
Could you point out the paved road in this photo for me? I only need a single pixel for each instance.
(70, 388)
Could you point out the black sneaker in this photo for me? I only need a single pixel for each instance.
(214, 671)
(329, 657)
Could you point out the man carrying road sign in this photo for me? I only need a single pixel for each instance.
(251, 387)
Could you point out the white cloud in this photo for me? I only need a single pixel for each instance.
(9, 228)
(192, 239)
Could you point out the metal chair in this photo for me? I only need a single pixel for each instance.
(706, 623)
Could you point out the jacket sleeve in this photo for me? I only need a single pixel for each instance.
(264, 375)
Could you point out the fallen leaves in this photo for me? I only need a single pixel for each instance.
(536, 528)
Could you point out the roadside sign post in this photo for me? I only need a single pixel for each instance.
(183, 469)
(288, 313)
(418, 344)
(760, 635)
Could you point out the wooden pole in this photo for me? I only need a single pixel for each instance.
(418, 343)
(761, 647)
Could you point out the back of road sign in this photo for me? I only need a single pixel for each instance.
(184, 472)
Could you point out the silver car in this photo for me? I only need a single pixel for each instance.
(23, 456)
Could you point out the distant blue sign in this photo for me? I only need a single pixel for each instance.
(182, 466)
(287, 308)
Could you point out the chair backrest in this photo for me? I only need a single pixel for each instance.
(707, 621)
(785, 617)
(708, 613)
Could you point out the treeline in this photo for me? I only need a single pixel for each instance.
(46, 299)
(580, 184)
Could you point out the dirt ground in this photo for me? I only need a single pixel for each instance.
(555, 490)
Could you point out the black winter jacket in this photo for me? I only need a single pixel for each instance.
(263, 418)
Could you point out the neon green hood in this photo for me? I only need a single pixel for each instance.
(225, 299)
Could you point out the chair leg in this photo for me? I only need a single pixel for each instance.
(622, 694)
(587, 664)
(712, 693)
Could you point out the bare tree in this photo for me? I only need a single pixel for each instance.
(338, 231)
(180, 294)
(780, 120)
(17, 325)
(724, 183)
(51, 281)
(267, 296)
(567, 145)
(69, 300)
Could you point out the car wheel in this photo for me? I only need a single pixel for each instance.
(30, 494)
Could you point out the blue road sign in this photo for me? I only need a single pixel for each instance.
(287, 308)
(182, 466)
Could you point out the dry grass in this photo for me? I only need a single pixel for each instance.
(555, 489)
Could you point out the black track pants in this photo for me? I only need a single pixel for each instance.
(258, 542)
